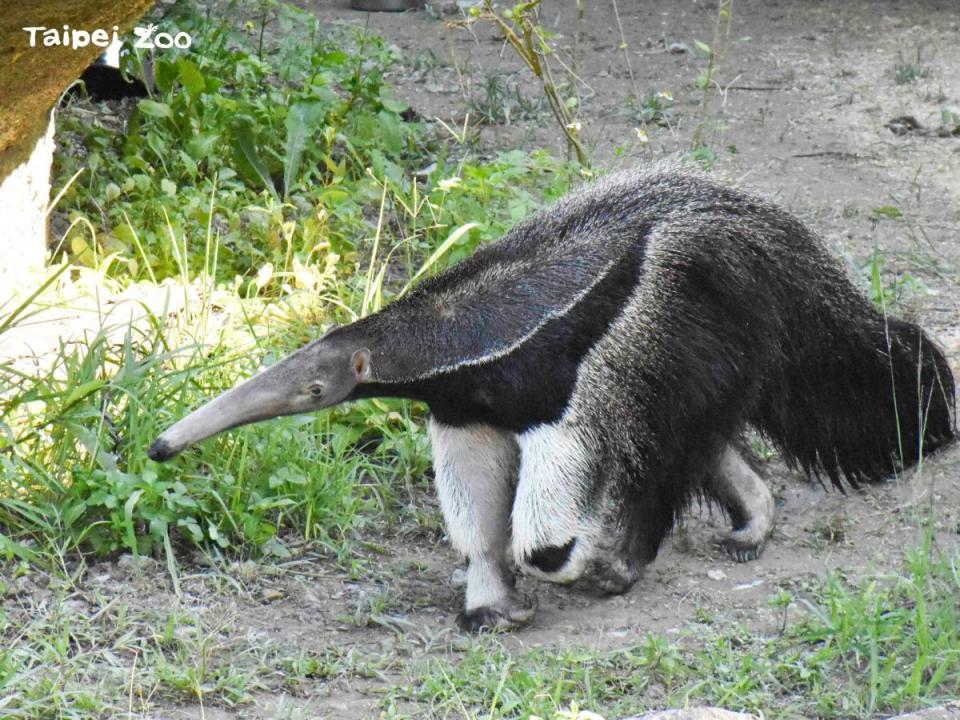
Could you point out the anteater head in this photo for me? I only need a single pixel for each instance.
(321, 374)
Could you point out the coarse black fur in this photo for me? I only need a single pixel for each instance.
(831, 400)
(532, 385)
(553, 557)
(746, 319)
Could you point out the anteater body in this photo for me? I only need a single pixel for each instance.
(592, 371)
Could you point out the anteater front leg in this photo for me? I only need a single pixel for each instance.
(476, 475)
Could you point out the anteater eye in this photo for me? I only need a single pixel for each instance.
(316, 389)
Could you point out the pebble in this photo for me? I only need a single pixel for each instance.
(716, 574)
(136, 563)
(701, 713)
(271, 594)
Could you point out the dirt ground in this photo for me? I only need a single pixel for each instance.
(806, 93)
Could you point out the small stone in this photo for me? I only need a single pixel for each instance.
(459, 578)
(440, 8)
(702, 713)
(136, 563)
(678, 48)
(271, 595)
(716, 574)
(248, 571)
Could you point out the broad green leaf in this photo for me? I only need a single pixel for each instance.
(155, 109)
(191, 77)
(245, 144)
(302, 122)
(200, 146)
(164, 74)
(394, 105)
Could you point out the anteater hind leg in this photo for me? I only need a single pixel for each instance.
(476, 473)
(748, 501)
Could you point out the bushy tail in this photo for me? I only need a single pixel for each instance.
(859, 400)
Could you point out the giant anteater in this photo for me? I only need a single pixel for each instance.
(591, 372)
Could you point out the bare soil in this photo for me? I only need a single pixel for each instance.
(805, 93)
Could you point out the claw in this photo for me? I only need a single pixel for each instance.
(506, 616)
(740, 548)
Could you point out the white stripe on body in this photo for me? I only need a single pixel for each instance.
(497, 353)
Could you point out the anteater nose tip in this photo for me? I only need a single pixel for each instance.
(160, 450)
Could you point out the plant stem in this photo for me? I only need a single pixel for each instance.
(532, 48)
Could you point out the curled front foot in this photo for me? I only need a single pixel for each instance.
(505, 615)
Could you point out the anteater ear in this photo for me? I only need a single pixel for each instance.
(361, 364)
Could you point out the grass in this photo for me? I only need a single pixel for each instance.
(84, 647)
(236, 245)
(262, 240)
(521, 29)
(500, 100)
(75, 470)
(99, 641)
(906, 72)
(864, 648)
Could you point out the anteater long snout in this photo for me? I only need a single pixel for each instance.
(260, 398)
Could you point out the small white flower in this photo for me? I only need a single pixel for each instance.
(448, 184)
(264, 275)
(575, 126)
(641, 134)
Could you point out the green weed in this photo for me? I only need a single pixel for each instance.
(907, 72)
(521, 28)
(655, 108)
(490, 681)
(267, 142)
(501, 101)
(949, 121)
(890, 295)
(70, 652)
(275, 191)
(880, 645)
(75, 470)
